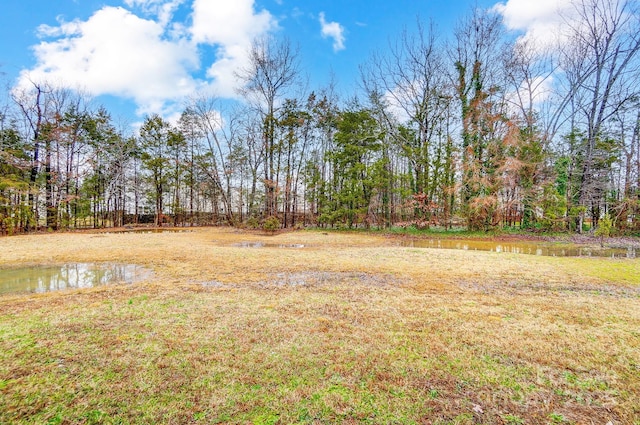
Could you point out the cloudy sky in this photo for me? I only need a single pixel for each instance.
(147, 56)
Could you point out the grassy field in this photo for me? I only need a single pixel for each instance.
(352, 328)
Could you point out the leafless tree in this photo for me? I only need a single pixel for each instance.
(218, 136)
(273, 69)
(600, 60)
(42, 106)
(409, 81)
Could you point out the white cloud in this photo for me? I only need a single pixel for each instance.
(332, 30)
(163, 9)
(150, 59)
(400, 100)
(231, 26)
(530, 94)
(135, 61)
(540, 20)
(540, 89)
(228, 22)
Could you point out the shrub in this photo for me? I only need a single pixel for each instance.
(271, 224)
(253, 223)
(604, 228)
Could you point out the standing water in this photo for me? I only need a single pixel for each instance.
(68, 276)
(539, 248)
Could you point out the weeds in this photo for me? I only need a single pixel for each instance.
(349, 329)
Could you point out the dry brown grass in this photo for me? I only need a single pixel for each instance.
(349, 329)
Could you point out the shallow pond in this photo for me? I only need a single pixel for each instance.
(68, 276)
(149, 231)
(266, 245)
(531, 248)
(514, 247)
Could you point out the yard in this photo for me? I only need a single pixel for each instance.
(315, 327)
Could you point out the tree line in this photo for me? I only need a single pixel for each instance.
(478, 129)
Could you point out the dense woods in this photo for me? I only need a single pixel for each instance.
(475, 128)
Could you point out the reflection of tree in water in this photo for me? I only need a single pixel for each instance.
(68, 276)
(543, 249)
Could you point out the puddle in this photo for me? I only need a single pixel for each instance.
(529, 248)
(69, 276)
(312, 278)
(266, 245)
(148, 231)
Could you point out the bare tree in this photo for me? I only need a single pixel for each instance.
(600, 61)
(42, 107)
(253, 153)
(218, 137)
(33, 107)
(273, 68)
(409, 82)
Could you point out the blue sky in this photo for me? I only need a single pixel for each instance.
(147, 56)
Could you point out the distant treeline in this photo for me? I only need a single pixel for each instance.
(474, 129)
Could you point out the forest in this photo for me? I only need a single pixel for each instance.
(476, 128)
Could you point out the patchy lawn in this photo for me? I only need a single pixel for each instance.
(238, 327)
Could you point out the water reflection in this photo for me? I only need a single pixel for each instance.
(540, 248)
(266, 245)
(515, 247)
(149, 231)
(77, 275)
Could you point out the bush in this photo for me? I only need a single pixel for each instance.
(253, 223)
(271, 224)
(605, 226)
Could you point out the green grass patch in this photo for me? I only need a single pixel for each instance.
(424, 337)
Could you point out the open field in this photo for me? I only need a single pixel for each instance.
(351, 328)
